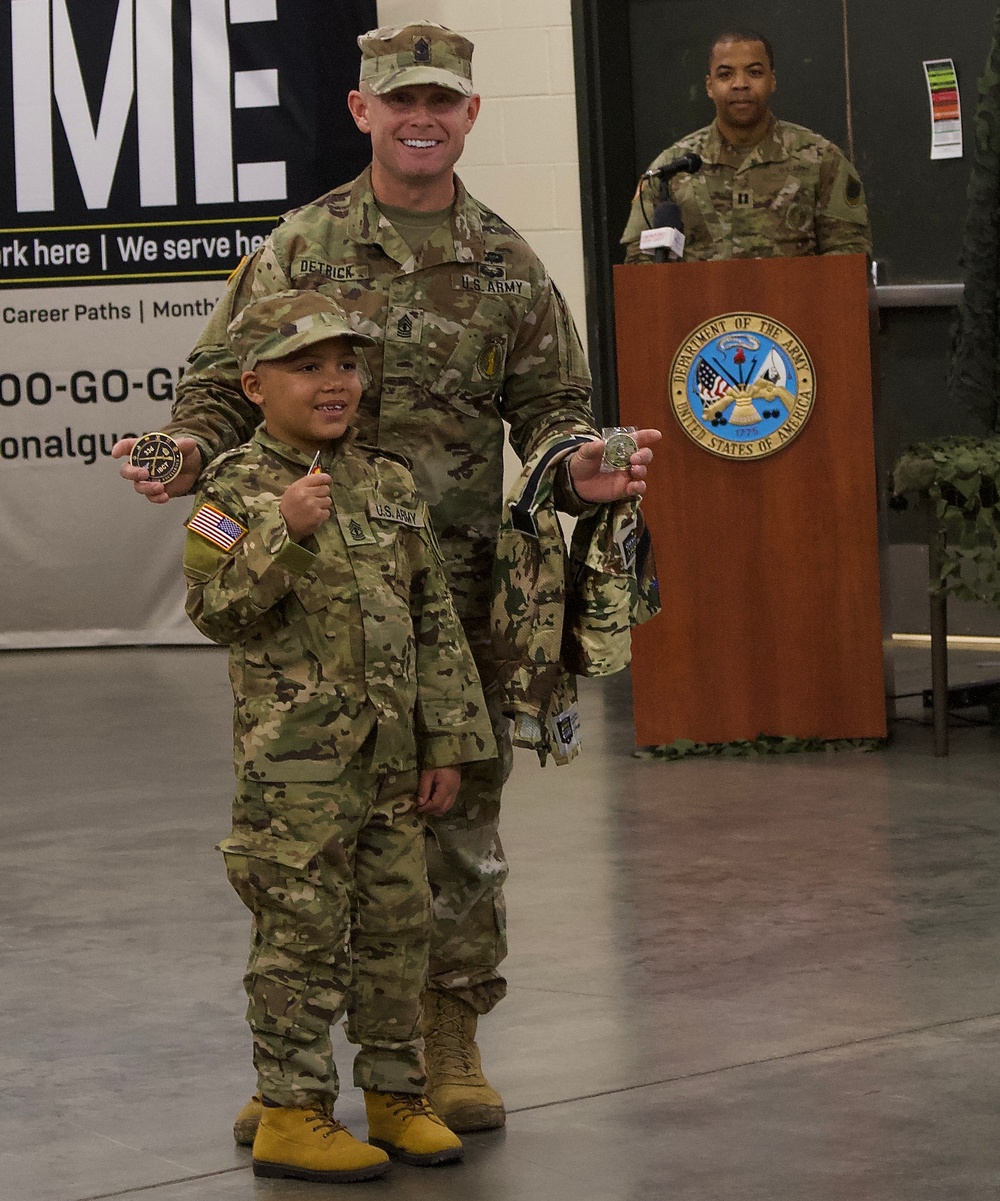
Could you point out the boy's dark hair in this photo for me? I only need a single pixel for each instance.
(741, 35)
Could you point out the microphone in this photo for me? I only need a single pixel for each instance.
(687, 162)
(666, 237)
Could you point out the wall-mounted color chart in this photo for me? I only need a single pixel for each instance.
(946, 108)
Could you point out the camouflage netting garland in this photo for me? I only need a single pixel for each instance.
(763, 744)
(961, 479)
(974, 379)
(960, 476)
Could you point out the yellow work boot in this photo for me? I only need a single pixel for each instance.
(247, 1121)
(307, 1144)
(456, 1086)
(405, 1125)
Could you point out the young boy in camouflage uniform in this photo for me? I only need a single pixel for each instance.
(356, 697)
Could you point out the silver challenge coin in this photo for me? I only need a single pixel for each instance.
(618, 451)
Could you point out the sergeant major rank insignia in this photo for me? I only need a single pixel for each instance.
(742, 386)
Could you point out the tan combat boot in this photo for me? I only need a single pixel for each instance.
(307, 1144)
(247, 1121)
(456, 1086)
(405, 1125)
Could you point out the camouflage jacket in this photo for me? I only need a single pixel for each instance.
(554, 615)
(794, 193)
(350, 630)
(472, 331)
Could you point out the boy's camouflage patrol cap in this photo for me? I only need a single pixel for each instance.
(273, 326)
(400, 56)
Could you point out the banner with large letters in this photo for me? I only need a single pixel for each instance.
(150, 145)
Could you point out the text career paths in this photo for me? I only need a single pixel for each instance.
(736, 323)
(107, 311)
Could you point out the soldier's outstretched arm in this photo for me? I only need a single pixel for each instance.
(210, 414)
(154, 490)
(547, 382)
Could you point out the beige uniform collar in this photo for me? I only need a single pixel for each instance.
(770, 148)
(299, 458)
(463, 243)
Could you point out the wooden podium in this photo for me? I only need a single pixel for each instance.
(768, 566)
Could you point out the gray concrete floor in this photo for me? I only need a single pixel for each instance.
(772, 979)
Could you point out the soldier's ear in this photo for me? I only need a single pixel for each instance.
(472, 110)
(357, 102)
(250, 382)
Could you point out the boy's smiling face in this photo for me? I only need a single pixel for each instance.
(309, 397)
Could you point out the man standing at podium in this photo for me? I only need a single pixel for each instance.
(766, 188)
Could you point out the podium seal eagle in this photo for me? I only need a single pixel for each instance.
(742, 386)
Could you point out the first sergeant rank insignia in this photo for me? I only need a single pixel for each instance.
(742, 386)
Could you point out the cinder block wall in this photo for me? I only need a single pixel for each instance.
(522, 157)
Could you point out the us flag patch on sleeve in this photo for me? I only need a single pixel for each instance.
(216, 526)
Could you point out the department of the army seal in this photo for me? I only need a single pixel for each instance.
(742, 386)
(159, 454)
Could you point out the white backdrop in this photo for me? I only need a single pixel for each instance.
(85, 561)
(148, 145)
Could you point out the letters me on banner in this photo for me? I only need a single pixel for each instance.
(150, 145)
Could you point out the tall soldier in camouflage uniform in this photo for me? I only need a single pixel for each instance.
(470, 331)
(309, 555)
(766, 187)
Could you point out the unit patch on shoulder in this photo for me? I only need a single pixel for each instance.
(490, 363)
(217, 527)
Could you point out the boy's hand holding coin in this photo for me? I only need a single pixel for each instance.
(305, 505)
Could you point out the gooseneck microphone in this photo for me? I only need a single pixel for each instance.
(665, 233)
(690, 162)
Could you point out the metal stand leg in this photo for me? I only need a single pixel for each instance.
(939, 645)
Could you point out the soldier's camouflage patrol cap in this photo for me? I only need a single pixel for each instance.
(400, 56)
(276, 325)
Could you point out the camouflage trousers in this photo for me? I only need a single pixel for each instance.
(467, 869)
(335, 877)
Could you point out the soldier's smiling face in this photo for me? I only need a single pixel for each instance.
(740, 83)
(418, 134)
(309, 397)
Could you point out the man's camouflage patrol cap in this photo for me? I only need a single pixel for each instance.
(400, 56)
(273, 326)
